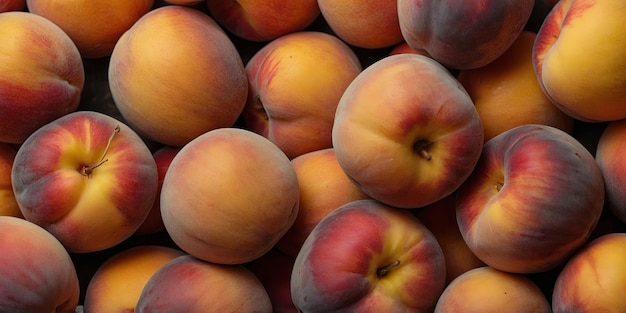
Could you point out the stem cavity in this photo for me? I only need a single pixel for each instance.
(384, 271)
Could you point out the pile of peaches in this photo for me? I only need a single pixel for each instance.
(312, 156)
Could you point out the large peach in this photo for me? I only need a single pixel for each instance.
(41, 74)
(8, 204)
(463, 34)
(118, 282)
(366, 256)
(263, 20)
(363, 23)
(609, 154)
(296, 82)
(488, 290)
(94, 26)
(406, 131)
(87, 178)
(440, 218)
(506, 92)
(533, 199)
(323, 186)
(228, 196)
(592, 280)
(179, 82)
(36, 272)
(188, 284)
(585, 81)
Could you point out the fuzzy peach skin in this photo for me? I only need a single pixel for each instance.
(363, 23)
(41, 74)
(228, 196)
(154, 223)
(488, 290)
(8, 204)
(463, 34)
(94, 26)
(179, 82)
(609, 155)
(87, 178)
(263, 20)
(188, 284)
(323, 186)
(366, 256)
(12, 5)
(296, 82)
(594, 278)
(506, 92)
(440, 218)
(274, 271)
(586, 81)
(36, 272)
(117, 284)
(406, 131)
(533, 199)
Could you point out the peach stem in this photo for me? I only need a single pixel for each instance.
(421, 147)
(383, 271)
(87, 170)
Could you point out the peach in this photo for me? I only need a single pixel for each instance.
(533, 199)
(610, 149)
(12, 5)
(228, 196)
(179, 82)
(263, 20)
(406, 131)
(8, 204)
(463, 35)
(36, 272)
(41, 74)
(440, 218)
(87, 178)
(592, 280)
(296, 82)
(585, 81)
(506, 92)
(119, 281)
(274, 271)
(364, 23)
(94, 26)
(188, 284)
(366, 256)
(488, 290)
(153, 223)
(323, 186)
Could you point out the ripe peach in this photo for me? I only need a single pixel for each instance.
(36, 272)
(118, 282)
(94, 26)
(592, 280)
(12, 5)
(296, 82)
(179, 82)
(87, 178)
(463, 35)
(364, 23)
(263, 20)
(488, 290)
(506, 92)
(188, 284)
(8, 204)
(323, 186)
(41, 74)
(228, 196)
